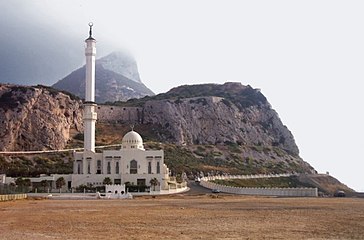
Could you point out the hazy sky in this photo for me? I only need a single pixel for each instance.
(307, 57)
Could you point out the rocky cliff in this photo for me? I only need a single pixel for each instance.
(36, 118)
(117, 79)
(215, 120)
(203, 114)
(212, 114)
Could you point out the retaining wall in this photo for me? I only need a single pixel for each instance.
(106, 113)
(9, 197)
(291, 192)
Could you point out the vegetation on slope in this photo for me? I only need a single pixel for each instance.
(34, 165)
(241, 96)
(278, 182)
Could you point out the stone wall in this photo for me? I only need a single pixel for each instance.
(106, 113)
(288, 192)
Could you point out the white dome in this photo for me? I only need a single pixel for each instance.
(132, 140)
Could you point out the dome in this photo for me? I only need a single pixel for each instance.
(132, 140)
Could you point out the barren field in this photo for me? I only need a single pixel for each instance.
(184, 217)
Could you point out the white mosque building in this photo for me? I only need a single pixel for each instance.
(130, 164)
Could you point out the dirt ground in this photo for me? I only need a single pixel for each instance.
(184, 217)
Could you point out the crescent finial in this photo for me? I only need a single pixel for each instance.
(90, 32)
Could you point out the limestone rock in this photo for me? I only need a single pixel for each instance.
(212, 114)
(36, 118)
(209, 120)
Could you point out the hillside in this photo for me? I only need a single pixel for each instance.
(213, 128)
(325, 183)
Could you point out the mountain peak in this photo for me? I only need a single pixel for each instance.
(122, 63)
(117, 79)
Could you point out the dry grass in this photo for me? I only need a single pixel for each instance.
(184, 217)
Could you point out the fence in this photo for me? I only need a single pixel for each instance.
(10, 197)
(292, 192)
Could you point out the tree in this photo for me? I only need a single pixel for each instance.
(23, 184)
(60, 182)
(154, 182)
(44, 184)
(19, 181)
(107, 181)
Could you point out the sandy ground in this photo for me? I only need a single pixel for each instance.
(184, 217)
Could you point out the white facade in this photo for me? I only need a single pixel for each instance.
(132, 163)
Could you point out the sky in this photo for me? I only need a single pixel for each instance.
(307, 57)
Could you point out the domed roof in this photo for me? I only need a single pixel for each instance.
(132, 140)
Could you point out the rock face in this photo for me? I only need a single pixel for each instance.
(36, 118)
(209, 114)
(211, 120)
(117, 79)
(40, 118)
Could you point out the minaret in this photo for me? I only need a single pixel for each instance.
(90, 116)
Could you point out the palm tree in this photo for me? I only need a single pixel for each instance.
(107, 181)
(154, 182)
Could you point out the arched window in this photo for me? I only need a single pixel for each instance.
(149, 167)
(98, 167)
(133, 167)
(158, 168)
(108, 168)
(88, 167)
(117, 168)
(78, 168)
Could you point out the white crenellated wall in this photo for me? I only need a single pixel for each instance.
(288, 192)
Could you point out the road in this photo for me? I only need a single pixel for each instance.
(196, 189)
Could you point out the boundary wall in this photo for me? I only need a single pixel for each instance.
(288, 192)
(9, 197)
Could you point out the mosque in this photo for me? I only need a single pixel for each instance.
(131, 163)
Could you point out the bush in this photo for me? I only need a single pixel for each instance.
(138, 188)
(79, 136)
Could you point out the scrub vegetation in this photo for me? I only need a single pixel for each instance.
(279, 182)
